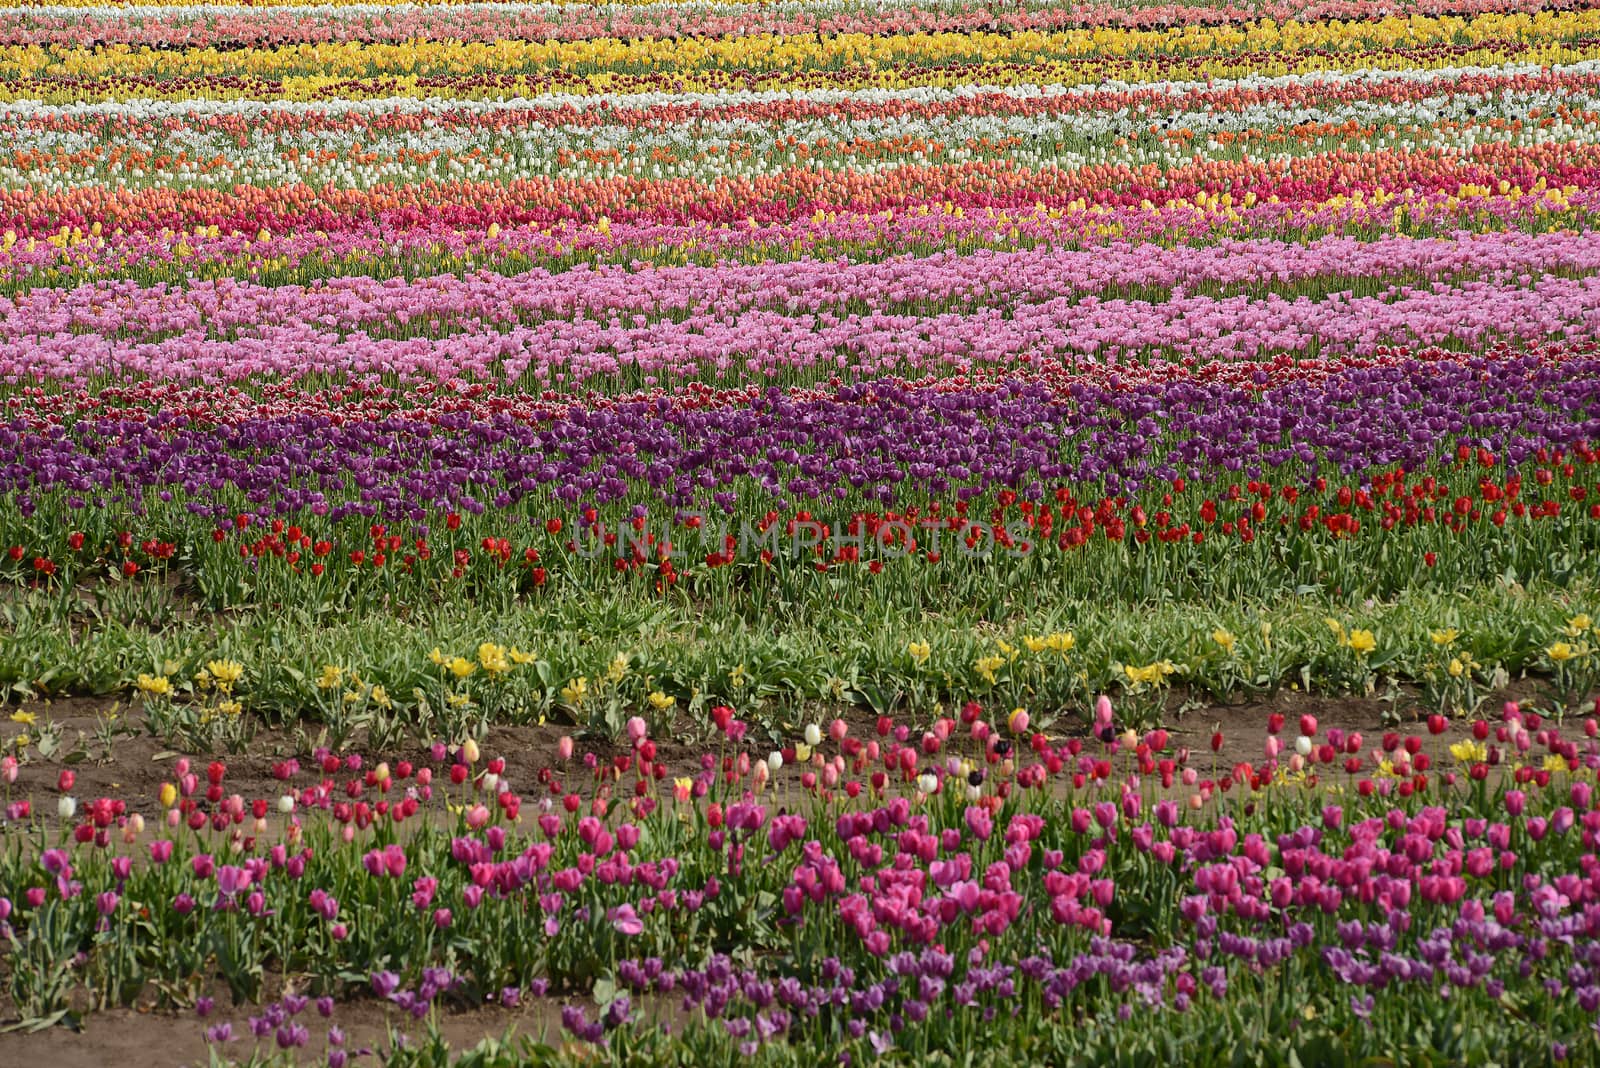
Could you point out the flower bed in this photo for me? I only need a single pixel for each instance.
(703, 531)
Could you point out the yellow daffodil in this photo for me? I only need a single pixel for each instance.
(461, 667)
(154, 685)
(226, 672)
(919, 651)
(738, 677)
(660, 701)
(1560, 652)
(1150, 674)
(493, 658)
(574, 692)
(1061, 642)
(1362, 642)
(1224, 639)
(27, 719)
(1444, 637)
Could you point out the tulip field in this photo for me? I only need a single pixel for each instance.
(800, 532)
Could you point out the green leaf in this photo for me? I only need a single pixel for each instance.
(33, 1025)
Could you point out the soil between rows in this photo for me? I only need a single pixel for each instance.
(141, 762)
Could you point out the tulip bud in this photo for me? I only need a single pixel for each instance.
(67, 807)
(169, 795)
(564, 747)
(286, 804)
(469, 751)
(813, 735)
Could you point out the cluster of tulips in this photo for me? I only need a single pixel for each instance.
(188, 24)
(900, 888)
